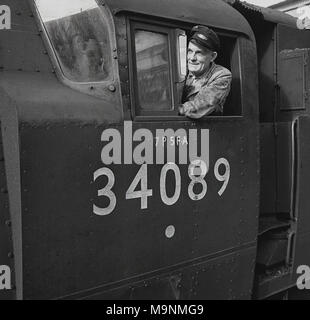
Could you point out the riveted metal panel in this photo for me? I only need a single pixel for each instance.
(66, 248)
(293, 79)
(79, 250)
(223, 277)
(284, 164)
(6, 244)
(303, 175)
(21, 46)
(268, 175)
(290, 37)
(302, 238)
(227, 278)
(212, 12)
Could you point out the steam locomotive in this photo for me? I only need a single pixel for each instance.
(108, 193)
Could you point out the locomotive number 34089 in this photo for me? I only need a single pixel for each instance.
(197, 171)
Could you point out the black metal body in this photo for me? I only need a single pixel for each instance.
(51, 137)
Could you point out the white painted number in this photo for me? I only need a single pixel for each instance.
(197, 172)
(144, 193)
(106, 191)
(192, 172)
(222, 177)
(170, 201)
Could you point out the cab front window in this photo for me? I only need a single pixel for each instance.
(79, 36)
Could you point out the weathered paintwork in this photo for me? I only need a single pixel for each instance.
(51, 133)
(214, 13)
(283, 120)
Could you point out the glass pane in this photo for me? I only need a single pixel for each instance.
(79, 35)
(153, 70)
(183, 54)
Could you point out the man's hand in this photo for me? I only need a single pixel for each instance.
(186, 110)
(181, 110)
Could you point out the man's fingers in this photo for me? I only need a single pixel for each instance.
(181, 110)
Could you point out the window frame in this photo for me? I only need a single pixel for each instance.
(137, 112)
(102, 88)
(160, 115)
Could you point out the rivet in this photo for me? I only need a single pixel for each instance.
(11, 255)
(8, 223)
(170, 231)
(112, 88)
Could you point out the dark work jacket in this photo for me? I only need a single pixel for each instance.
(206, 94)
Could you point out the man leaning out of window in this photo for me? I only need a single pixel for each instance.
(208, 84)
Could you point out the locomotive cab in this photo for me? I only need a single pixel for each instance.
(101, 201)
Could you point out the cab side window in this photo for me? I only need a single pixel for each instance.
(153, 74)
(79, 36)
(153, 70)
(159, 69)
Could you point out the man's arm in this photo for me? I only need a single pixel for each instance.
(210, 98)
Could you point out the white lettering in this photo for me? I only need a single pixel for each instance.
(303, 282)
(5, 17)
(5, 277)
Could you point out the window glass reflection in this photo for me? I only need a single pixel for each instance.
(79, 35)
(153, 70)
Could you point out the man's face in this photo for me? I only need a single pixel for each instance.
(199, 59)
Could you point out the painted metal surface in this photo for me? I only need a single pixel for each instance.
(173, 248)
(59, 145)
(302, 256)
(266, 14)
(22, 45)
(6, 248)
(277, 38)
(213, 13)
(129, 242)
(293, 89)
(268, 178)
